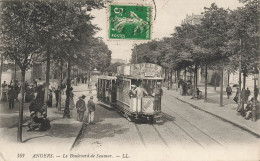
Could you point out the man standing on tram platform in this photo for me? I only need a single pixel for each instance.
(140, 94)
(157, 93)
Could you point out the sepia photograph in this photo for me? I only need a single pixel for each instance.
(129, 80)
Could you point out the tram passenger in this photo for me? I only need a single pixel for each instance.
(157, 93)
(132, 91)
(140, 94)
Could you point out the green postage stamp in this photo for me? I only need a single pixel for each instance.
(130, 22)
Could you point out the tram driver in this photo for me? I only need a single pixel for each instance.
(140, 91)
(157, 94)
(132, 91)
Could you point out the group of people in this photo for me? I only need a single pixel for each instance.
(252, 105)
(85, 111)
(10, 92)
(37, 112)
(139, 91)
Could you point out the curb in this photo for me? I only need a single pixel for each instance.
(251, 131)
(77, 137)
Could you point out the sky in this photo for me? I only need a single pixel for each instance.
(169, 14)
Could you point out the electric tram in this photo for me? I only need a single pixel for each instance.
(135, 92)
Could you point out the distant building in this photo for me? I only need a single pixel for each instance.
(118, 60)
(193, 19)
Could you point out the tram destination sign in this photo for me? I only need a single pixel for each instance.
(140, 70)
(146, 70)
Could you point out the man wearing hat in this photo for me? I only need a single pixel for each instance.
(157, 93)
(81, 107)
(132, 91)
(91, 110)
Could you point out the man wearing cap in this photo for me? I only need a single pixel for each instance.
(91, 110)
(140, 91)
(132, 91)
(157, 93)
(81, 107)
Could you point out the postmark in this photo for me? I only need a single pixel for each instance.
(130, 22)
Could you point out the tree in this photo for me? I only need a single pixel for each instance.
(19, 44)
(33, 30)
(112, 68)
(244, 40)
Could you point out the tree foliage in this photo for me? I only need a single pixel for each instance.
(215, 41)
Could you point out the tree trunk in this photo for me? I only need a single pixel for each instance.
(228, 78)
(206, 84)
(175, 76)
(61, 77)
(14, 71)
(196, 76)
(215, 81)
(195, 81)
(177, 79)
(67, 102)
(239, 109)
(20, 122)
(244, 88)
(171, 79)
(185, 72)
(47, 81)
(1, 71)
(244, 80)
(221, 88)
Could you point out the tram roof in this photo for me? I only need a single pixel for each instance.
(107, 77)
(143, 78)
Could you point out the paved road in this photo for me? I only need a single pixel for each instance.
(182, 128)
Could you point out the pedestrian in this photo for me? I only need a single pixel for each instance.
(4, 91)
(256, 92)
(49, 102)
(236, 96)
(40, 95)
(75, 81)
(140, 93)
(17, 90)
(57, 93)
(11, 96)
(247, 94)
(71, 95)
(229, 91)
(91, 110)
(81, 108)
(35, 84)
(157, 93)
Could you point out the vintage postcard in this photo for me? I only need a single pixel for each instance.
(129, 80)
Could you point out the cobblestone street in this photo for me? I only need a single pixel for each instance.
(182, 128)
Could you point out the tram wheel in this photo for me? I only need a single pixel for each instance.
(129, 118)
(151, 120)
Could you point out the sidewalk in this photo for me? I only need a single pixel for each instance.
(60, 137)
(227, 113)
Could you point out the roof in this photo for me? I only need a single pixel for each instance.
(143, 78)
(107, 77)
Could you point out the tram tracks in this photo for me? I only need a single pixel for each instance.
(189, 124)
(155, 131)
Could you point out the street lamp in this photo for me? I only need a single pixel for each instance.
(256, 75)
